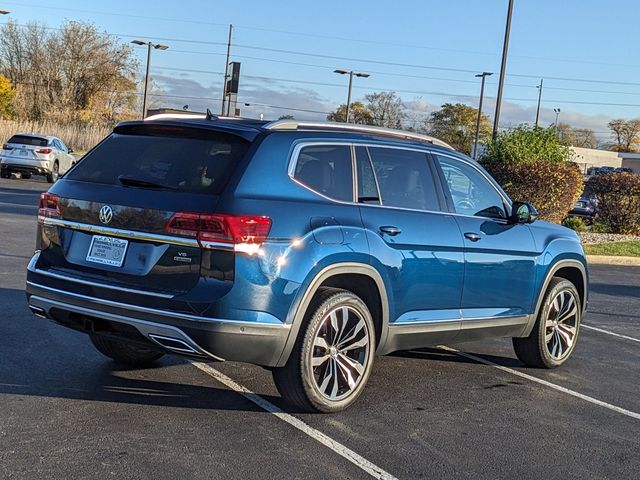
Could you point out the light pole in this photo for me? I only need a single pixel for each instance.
(557, 112)
(483, 75)
(351, 73)
(149, 45)
(503, 69)
(4, 12)
(539, 87)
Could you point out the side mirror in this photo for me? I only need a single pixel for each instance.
(69, 150)
(523, 212)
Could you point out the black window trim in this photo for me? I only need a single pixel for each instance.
(446, 206)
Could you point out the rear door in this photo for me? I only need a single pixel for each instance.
(113, 209)
(418, 246)
(499, 257)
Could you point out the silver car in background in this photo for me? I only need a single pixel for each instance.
(31, 154)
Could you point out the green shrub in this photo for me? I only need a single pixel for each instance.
(526, 144)
(599, 227)
(574, 223)
(551, 187)
(618, 201)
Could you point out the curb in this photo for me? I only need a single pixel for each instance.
(612, 260)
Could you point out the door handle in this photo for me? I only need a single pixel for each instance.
(390, 230)
(474, 237)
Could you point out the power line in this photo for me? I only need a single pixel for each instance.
(364, 61)
(328, 37)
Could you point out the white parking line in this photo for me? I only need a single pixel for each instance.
(589, 327)
(329, 442)
(586, 398)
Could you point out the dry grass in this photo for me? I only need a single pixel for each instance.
(78, 137)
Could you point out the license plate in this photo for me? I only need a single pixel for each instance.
(24, 153)
(107, 250)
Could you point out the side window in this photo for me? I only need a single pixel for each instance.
(367, 185)
(471, 193)
(62, 146)
(326, 169)
(404, 178)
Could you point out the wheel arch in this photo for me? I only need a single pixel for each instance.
(352, 276)
(572, 270)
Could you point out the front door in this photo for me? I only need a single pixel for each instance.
(500, 258)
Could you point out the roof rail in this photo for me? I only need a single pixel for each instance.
(295, 125)
(169, 116)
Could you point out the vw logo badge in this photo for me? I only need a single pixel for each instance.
(106, 214)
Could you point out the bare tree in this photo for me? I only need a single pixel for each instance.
(577, 137)
(74, 73)
(625, 135)
(386, 109)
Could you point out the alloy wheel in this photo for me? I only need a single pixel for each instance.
(561, 324)
(340, 352)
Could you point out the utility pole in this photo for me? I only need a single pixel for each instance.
(483, 75)
(503, 67)
(539, 98)
(226, 70)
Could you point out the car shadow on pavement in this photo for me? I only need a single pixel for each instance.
(438, 354)
(109, 383)
(615, 290)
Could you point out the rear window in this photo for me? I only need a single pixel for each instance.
(29, 140)
(194, 165)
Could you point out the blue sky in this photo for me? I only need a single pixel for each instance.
(428, 51)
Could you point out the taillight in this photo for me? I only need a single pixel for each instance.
(45, 151)
(7, 147)
(49, 206)
(245, 232)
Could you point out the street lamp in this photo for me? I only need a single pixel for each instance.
(557, 112)
(483, 75)
(351, 73)
(149, 45)
(4, 12)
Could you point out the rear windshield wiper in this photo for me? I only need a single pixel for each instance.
(137, 182)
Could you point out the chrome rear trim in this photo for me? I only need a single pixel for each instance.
(153, 311)
(100, 285)
(146, 328)
(119, 232)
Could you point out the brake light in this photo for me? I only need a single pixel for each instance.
(49, 206)
(7, 147)
(45, 151)
(245, 232)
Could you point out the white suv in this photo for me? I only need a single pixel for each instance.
(30, 154)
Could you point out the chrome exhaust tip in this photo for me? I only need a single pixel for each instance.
(38, 312)
(174, 344)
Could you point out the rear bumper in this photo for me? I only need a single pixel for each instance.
(24, 168)
(219, 339)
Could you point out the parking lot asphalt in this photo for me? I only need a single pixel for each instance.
(68, 412)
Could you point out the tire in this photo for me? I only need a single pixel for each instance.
(124, 352)
(25, 176)
(5, 174)
(556, 330)
(336, 318)
(55, 170)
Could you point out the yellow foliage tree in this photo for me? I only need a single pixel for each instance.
(7, 92)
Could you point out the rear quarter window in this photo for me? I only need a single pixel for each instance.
(194, 165)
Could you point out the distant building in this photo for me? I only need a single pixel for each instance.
(590, 157)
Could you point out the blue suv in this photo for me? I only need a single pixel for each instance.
(306, 248)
